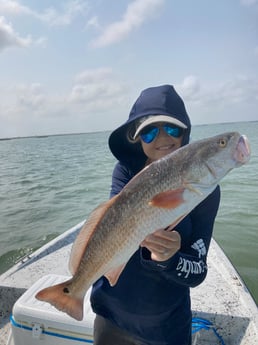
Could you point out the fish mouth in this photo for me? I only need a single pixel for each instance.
(242, 152)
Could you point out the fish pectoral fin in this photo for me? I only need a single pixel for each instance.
(114, 274)
(168, 199)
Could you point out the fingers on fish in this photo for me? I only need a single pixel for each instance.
(62, 299)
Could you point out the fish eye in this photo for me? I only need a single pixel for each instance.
(222, 143)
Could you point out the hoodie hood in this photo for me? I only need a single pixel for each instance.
(159, 100)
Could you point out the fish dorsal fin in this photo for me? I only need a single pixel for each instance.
(84, 236)
(168, 199)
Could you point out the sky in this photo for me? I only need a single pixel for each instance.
(76, 66)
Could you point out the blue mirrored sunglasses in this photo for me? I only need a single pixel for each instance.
(149, 133)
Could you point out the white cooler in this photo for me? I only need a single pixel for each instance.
(36, 322)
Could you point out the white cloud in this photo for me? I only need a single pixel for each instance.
(95, 94)
(41, 42)
(70, 11)
(8, 37)
(136, 14)
(97, 89)
(93, 22)
(217, 101)
(30, 96)
(14, 8)
(29, 110)
(99, 100)
(190, 87)
(51, 16)
(94, 75)
(238, 90)
(24, 102)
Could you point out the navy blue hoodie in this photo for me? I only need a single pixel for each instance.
(151, 300)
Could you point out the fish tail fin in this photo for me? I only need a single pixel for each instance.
(62, 298)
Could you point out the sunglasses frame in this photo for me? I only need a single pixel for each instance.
(150, 133)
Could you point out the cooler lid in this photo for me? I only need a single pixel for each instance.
(30, 310)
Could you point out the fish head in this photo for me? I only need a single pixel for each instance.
(212, 158)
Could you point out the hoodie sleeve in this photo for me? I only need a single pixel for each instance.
(189, 265)
(120, 177)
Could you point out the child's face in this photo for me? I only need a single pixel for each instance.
(162, 145)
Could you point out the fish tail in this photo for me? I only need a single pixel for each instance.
(63, 299)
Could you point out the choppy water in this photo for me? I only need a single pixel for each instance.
(49, 184)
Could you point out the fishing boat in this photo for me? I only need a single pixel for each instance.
(224, 311)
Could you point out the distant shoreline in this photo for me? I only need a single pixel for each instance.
(108, 130)
(32, 136)
(47, 135)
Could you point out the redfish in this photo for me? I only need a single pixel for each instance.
(162, 194)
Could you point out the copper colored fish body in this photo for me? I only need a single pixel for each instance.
(160, 195)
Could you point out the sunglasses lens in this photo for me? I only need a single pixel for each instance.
(175, 132)
(148, 134)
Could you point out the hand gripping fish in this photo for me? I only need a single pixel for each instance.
(162, 194)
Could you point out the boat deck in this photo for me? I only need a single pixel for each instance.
(223, 299)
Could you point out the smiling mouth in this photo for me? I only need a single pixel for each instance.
(165, 148)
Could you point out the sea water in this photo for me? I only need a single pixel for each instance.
(49, 184)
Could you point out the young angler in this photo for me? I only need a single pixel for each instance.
(150, 304)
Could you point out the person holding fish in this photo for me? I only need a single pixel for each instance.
(143, 249)
(150, 302)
